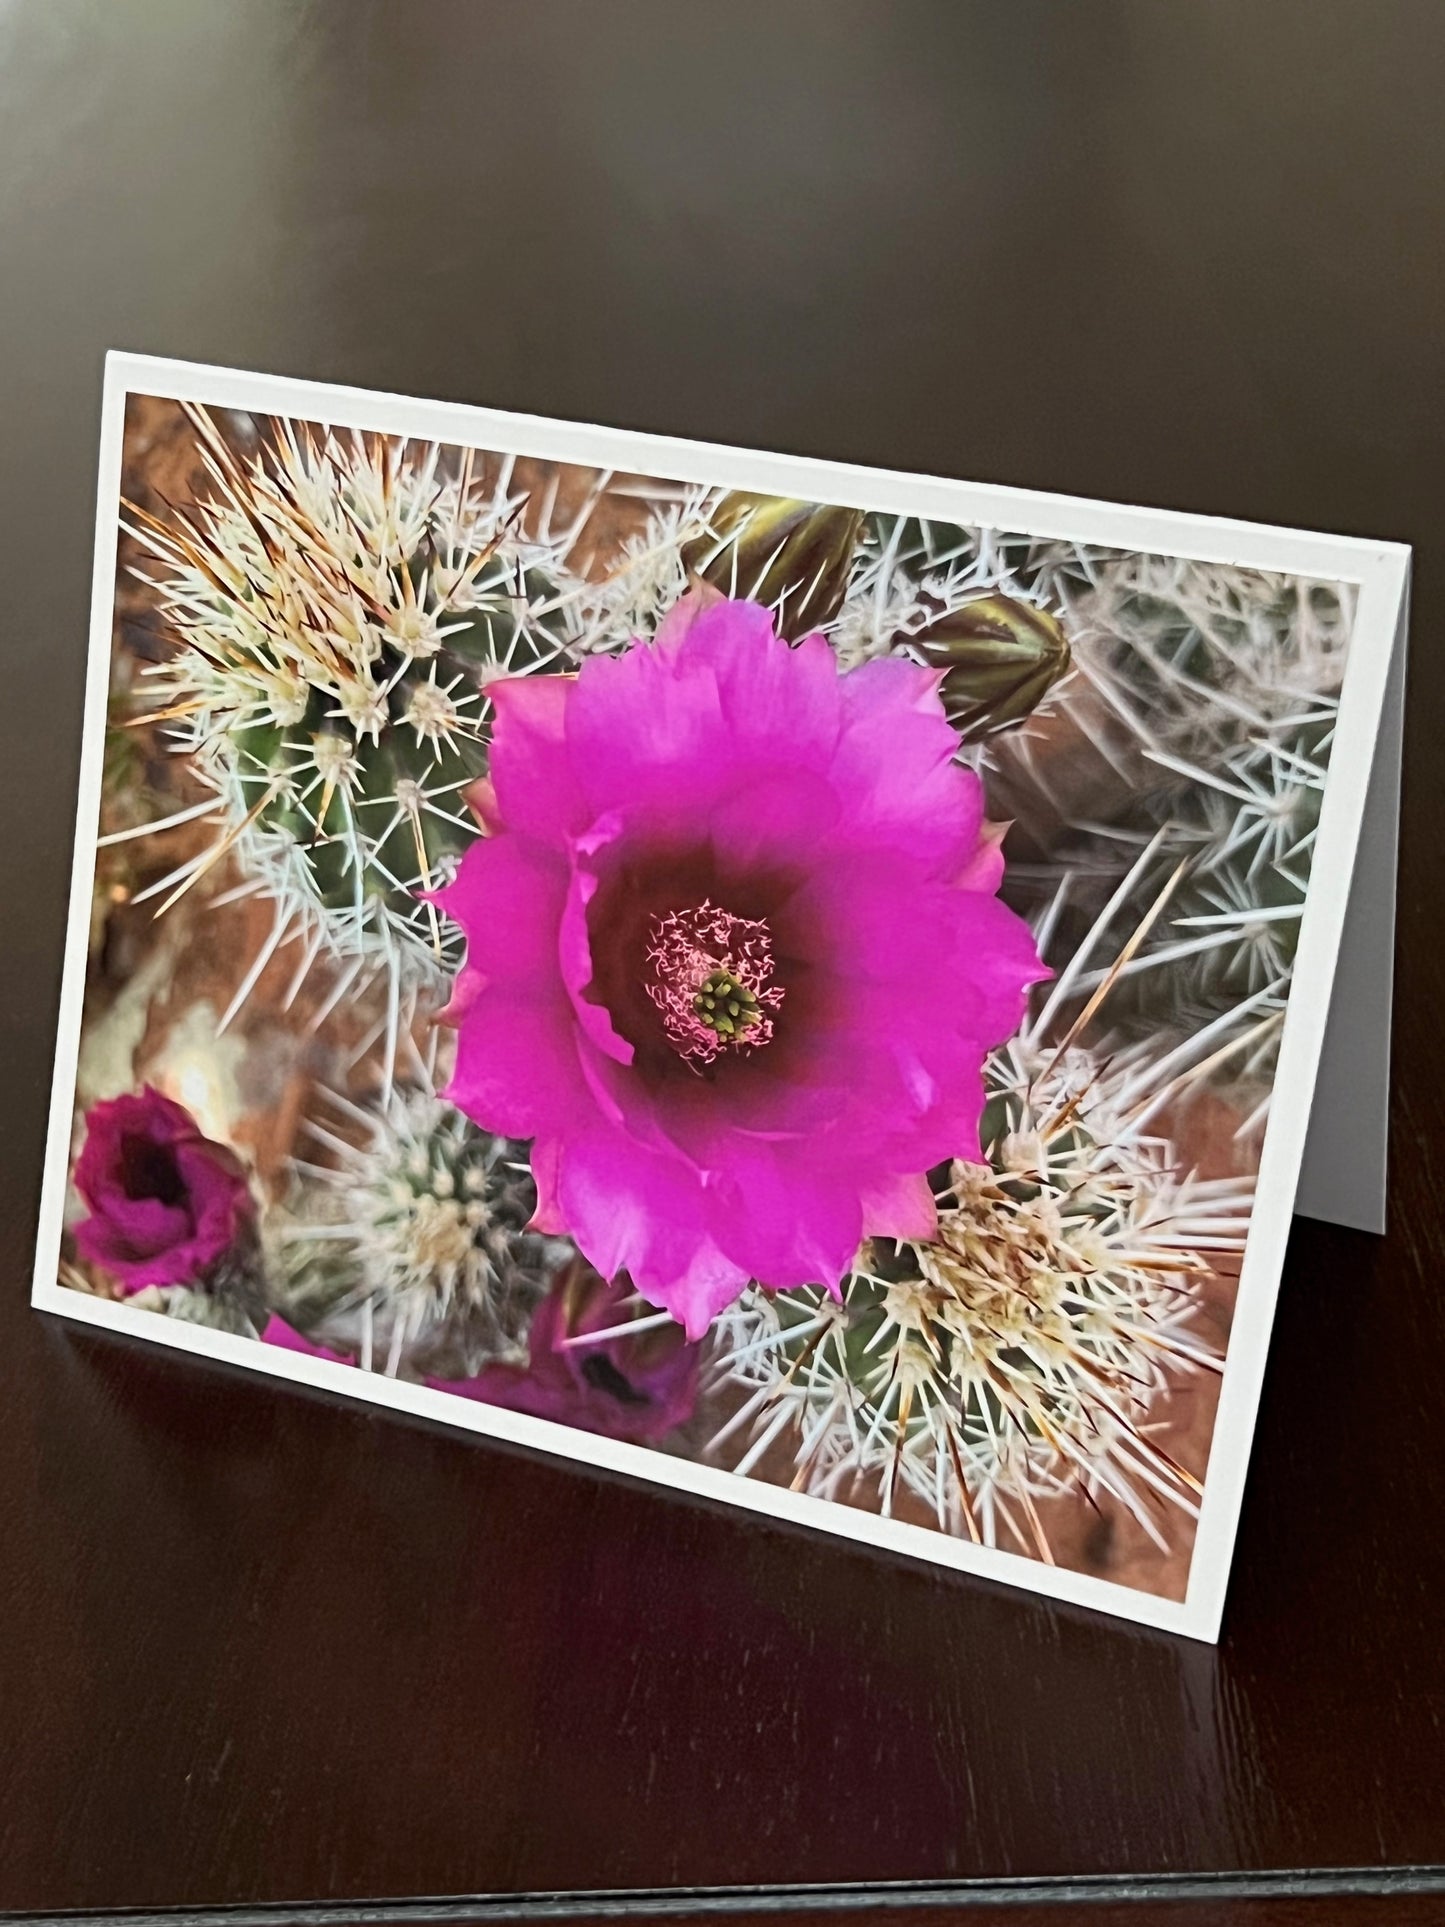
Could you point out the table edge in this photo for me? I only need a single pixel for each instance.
(1313, 1883)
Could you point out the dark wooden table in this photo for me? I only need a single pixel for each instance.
(257, 1648)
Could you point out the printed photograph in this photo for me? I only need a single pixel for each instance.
(792, 987)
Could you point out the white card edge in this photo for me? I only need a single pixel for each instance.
(1383, 588)
(1072, 518)
(1367, 945)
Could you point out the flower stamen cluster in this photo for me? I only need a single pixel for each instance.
(711, 980)
(429, 1219)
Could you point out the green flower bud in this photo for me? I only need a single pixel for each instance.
(1001, 657)
(795, 557)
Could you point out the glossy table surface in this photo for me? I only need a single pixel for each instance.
(256, 1647)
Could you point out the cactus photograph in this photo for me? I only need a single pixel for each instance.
(788, 986)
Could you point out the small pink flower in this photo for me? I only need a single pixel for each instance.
(628, 1385)
(734, 957)
(166, 1202)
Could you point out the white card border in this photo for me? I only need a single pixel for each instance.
(1381, 569)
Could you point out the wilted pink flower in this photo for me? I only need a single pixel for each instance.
(733, 956)
(166, 1202)
(628, 1385)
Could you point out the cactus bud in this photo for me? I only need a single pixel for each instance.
(795, 557)
(1000, 658)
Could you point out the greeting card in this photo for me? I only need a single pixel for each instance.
(801, 984)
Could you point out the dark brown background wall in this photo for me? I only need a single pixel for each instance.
(256, 1647)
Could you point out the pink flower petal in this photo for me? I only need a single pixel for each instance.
(534, 783)
(634, 1209)
(685, 612)
(784, 1217)
(517, 1061)
(575, 948)
(894, 762)
(779, 702)
(508, 896)
(899, 1207)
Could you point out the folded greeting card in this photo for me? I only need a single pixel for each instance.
(802, 984)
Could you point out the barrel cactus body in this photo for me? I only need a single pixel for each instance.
(428, 1222)
(1018, 1351)
(1248, 830)
(339, 605)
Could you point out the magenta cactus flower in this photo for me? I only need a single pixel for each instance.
(166, 1201)
(734, 956)
(588, 1367)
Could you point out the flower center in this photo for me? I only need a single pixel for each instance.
(148, 1170)
(710, 976)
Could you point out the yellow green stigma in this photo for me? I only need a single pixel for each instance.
(725, 1005)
